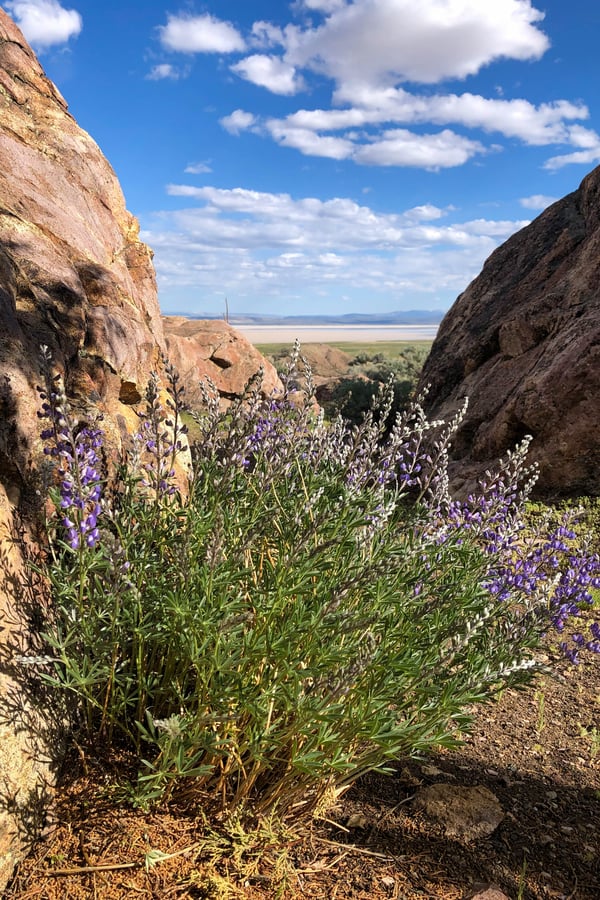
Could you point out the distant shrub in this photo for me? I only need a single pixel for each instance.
(353, 396)
(313, 605)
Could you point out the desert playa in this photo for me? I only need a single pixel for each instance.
(325, 334)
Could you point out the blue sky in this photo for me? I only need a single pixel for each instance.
(327, 156)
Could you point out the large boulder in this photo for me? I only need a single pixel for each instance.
(73, 272)
(202, 349)
(523, 344)
(75, 277)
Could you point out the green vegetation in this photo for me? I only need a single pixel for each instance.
(309, 606)
(390, 350)
(369, 367)
(353, 395)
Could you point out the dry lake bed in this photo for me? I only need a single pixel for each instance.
(326, 334)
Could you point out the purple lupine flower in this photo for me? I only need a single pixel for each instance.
(75, 452)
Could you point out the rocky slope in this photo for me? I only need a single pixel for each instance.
(523, 344)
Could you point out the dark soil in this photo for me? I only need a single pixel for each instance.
(538, 751)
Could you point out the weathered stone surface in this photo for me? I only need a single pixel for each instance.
(201, 349)
(73, 273)
(490, 892)
(523, 343)
(74, 276)
(469, 813)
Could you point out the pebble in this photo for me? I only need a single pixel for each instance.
(546, 839)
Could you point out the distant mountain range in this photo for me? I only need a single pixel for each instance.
(400, 317)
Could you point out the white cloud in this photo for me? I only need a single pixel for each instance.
(200, 34)
(238, 121)
(399, 147)
(265, 34)
(309, 142)
(326, 6)
(260, 245)
(519, 118)
(163, 70)
(540, 125)
(581, 157)
(395, 147)
(270, 72)
(199, 168)
(45, 22)
(589, 153)
(384, 41)
(537, 202)
(367, 48)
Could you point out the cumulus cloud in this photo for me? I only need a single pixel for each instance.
(200, 34)
(162, 71)
(45, 23)
(581, 157)
(309, 142)
(367, 49)
(260, 245)
(537, 202)
(394, 147)
(398, 147)
(270, 72)
(385, 41)
(543, 124)
(239, 120)
(265, 34)
(326, 6)
(540, 125)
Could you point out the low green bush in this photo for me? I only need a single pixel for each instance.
(353, 395)
(310, 606)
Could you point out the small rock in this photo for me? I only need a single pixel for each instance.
(551, 795)
(488, 893)
(388, 882)
(469, 813)
(357, 820)
(433, 771)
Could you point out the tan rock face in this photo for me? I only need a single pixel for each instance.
(74, 276)
(201, 349)
(73, 272)
(523, 343)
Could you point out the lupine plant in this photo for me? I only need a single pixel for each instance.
(309, 605)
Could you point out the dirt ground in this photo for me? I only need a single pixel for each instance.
(538, 751)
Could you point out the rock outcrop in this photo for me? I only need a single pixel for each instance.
(75, 277)
(523, 344)
(203, 349)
